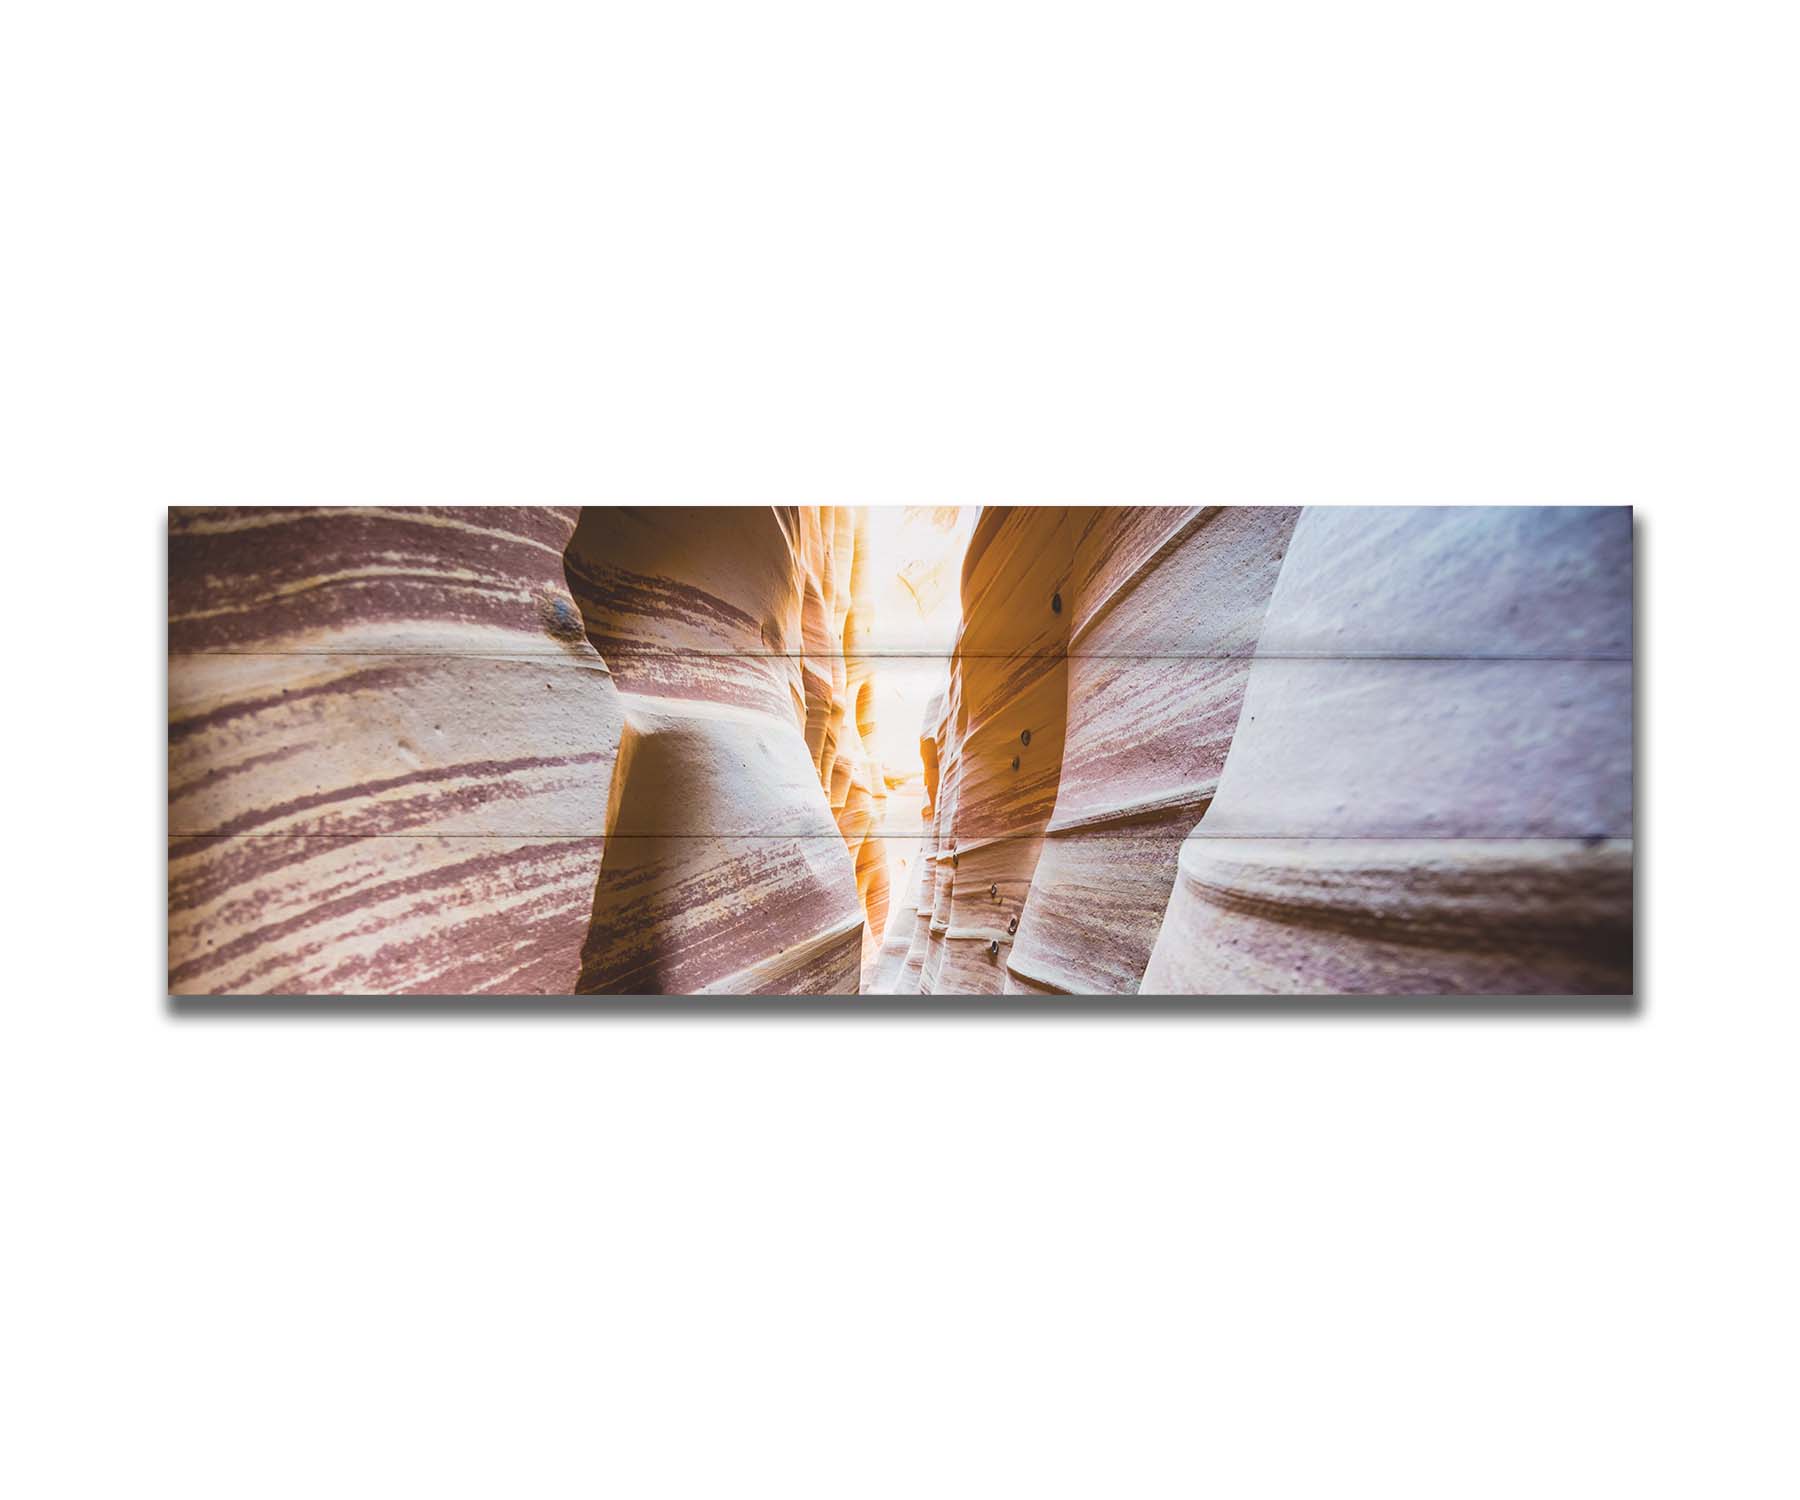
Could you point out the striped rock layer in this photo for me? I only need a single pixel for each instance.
(741, 799)
(1337, 751)
(442, 750)
(1167, 607)
(434, 750)
(389, 750)
(995, 753)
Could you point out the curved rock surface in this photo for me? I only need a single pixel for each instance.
(431, 750)
(1431, 788)
(1338, 751)
(1092, 696)
(389, 751)
(1171, 750)
(740, 803)
(994, 754)
(1167, 606)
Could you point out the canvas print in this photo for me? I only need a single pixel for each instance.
(909, 751)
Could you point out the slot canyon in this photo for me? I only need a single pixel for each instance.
(908, 751)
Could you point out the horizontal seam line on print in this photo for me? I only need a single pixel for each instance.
(672, 654)
(1075, 1006)
(498, 653)
(985, 839)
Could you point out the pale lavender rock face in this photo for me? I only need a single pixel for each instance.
(1397, 917)
(1430, 789)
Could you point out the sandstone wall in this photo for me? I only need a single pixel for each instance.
(389, 751)
(741, 802)
(1221, 750)
(1335, 751)
(993, 752)
(429, 750)
(1166, 606)
(1431, 788)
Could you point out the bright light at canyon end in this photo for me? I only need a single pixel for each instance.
(915, 556)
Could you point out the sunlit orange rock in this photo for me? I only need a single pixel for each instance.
(1008, 761)
(858, 785)
(995, 754)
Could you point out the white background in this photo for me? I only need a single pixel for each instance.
(963, 252)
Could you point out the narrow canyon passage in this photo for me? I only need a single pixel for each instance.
(1100, 665)
(909, 750)
(1259, 750)
(762, 805)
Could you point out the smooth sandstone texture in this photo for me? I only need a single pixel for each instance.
(1430, 790)
(429, 750)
